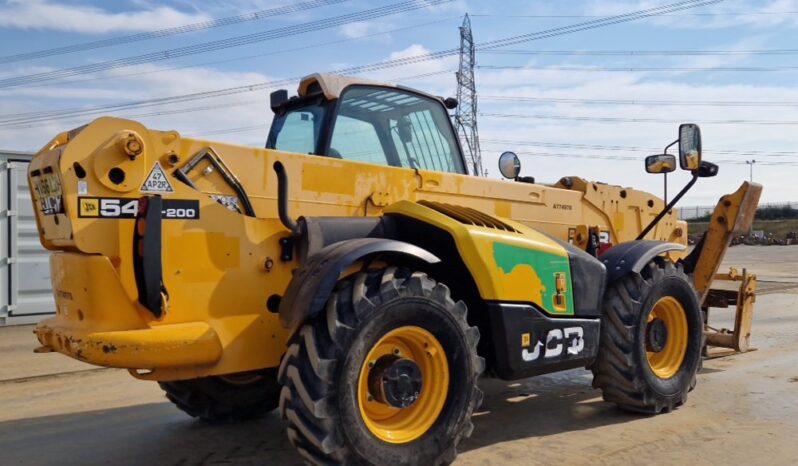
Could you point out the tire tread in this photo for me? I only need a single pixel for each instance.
(313, 426)
(209, 399)
(615, 371)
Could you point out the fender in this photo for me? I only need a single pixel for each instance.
(632, 256)
(312, 283)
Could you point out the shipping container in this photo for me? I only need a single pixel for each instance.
(25, 291)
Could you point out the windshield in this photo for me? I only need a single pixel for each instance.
(374, 125)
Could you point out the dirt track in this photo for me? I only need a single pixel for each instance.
(744, 410)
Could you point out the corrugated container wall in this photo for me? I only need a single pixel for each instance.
(25, 291)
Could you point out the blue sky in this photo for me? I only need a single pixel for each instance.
(565, 94)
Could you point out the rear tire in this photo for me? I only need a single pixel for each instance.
(322, 373)
(628, 370)
(232, 398)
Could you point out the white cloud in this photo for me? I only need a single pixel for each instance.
(52, 15)
(357, 29)
(374, 31)
(427, 66)
(413, 50)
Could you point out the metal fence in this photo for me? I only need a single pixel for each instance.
(687, 213)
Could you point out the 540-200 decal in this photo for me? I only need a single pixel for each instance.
(122, 207)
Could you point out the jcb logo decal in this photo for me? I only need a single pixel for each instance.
(570, 339)
(89, 208)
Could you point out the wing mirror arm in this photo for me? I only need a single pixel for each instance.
(669, 146)
(668, 207)
(665, 174)
(705, 170)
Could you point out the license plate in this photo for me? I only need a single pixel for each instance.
(48, 191)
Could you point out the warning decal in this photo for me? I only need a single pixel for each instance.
(156, 181)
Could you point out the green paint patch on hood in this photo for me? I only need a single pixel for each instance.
(545, 265)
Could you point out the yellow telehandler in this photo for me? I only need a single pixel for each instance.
(355, 276)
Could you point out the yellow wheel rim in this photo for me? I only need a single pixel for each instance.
(666, 363)
(402, 425)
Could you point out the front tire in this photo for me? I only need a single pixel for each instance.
(343, 404)
(651, 339)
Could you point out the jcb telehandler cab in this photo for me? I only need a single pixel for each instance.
(354, 275)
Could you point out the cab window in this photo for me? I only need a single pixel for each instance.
(396, 128)
(357, 139)
(297, 131)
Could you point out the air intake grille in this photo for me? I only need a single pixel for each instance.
(468, 216)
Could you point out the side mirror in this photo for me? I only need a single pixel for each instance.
(660, 163)
(689, 146)
(509, 165)
(278, 98)
(707, 170)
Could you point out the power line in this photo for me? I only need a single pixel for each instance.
(627, 69)
(635, 120)
(644, 53)
(248, 103)
(240, 129)
(564, 145)
(597, 23)
(686, 103)
(172, 31)
(633, 159)
(35, 117)
(747, 13)
(543, 100)
(245, 57)
(38, 117)
(580, 156)
(221, 44)
(513, 40)
(195, 109)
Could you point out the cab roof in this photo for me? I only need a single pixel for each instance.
(333, 84)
